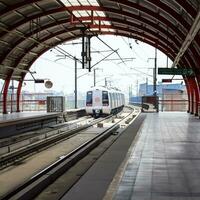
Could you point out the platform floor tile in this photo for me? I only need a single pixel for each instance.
(165, 163)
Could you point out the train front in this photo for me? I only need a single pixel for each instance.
(96, 102)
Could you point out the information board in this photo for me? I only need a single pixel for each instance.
(175, 71)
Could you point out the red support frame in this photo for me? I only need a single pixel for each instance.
(188, 93)
(5, 94)
(194, 95)
(19, 88)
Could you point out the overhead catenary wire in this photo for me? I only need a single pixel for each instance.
(48, 60)
(133, 50)
(93, 34)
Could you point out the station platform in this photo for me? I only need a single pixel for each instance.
(161, 162)
(16, 123)
(16, 117)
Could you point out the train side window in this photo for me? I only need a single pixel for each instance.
(89, 98)
(105, 100)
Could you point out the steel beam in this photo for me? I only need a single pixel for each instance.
(19, 88)
(5, 93)
(188, 40)
(128, 35)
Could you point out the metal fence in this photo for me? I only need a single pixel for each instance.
(33, 102)
(173, 102)
(28, 102)
(167, 102)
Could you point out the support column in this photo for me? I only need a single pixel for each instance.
(19, 88)
(75, 90)
(196, 96)
(5, 93)
(188, 93)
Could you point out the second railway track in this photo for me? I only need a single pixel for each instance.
(34, 185)
(22, 153)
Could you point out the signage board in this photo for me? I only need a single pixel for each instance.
(166, 80)
(175, 71)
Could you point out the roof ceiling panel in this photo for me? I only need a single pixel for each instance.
(26, 44)
(61, 15)
(29, 10)
(49, 22)
(195, 3)
(172, 4)
(150, 6)
(130, 10)
(109, 4)
(2, 6)
(55, 28)
(187, 17)
(11, 38)
(11, 2)
(48, 5)
(11, 19)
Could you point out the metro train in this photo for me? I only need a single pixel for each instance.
(101, 101)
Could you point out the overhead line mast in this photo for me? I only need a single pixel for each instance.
(87, 27)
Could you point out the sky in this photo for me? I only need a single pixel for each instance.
(138, 69)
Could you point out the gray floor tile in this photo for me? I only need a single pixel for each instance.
(166, 159)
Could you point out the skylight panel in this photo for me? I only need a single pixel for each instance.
(78, 13)
(80, 3)
(102, 29)
(74, 2)
(106, 23)
(94, 29)
(99, 14)
(108, 30)
(83, 13)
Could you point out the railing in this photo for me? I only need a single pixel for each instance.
(28, 102)
(173, 105)
(33, 102)
(169, 102)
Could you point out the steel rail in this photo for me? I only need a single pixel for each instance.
(24, 152)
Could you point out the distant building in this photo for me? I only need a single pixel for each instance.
(172, 97)
(147, 90)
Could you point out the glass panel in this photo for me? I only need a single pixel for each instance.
(105, 100)
(89, 98)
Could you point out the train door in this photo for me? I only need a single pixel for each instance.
(105, 100)
(97, 96)
(89, 98)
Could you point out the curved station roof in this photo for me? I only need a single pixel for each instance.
(28, 28)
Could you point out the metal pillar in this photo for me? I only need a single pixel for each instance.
(75, 91)
(188, 93)
(11, 97)
(155, 81)
(155, 75)
(18, 95)
(191, 93)
(195, 95)
(5, 93)
(94, 77)
(188, 40)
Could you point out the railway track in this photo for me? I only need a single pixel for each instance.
(37, 183)
(24, 152)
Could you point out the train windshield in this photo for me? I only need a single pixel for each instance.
(89, 98)
(105, 100)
